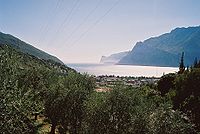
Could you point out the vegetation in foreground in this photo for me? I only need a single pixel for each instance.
(36, 94)
(183, 90)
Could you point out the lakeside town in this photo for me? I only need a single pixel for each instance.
(106, 82)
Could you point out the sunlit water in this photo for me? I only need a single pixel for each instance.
(122, 70)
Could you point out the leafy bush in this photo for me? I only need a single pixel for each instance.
(128, 110)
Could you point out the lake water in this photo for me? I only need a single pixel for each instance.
(122, 70)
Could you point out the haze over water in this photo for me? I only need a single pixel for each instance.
(122, 70)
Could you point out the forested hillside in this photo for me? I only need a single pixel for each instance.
(183, 90)
(24, 80)
(7, 39)
(39, 96)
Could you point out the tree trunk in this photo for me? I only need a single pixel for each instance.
(53, 128)
(36, 114)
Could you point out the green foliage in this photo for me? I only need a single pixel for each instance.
(13, 113)
(112, 112)
(68, 100)
(23, 81)
(128, 110)
(80, 87)
(184, 92)
(188, 93)
(64, 101)
(181, 66)
(167, 121)
(166, 83)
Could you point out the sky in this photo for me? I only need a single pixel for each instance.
(81, 31)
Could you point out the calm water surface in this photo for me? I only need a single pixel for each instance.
(122, 70)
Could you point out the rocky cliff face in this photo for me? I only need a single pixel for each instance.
(165, 50)
(114, 58)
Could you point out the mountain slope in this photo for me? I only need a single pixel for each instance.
(7, 39)
(165, 50)
(114, 58)
(25, 82)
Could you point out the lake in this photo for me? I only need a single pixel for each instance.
(122, 70)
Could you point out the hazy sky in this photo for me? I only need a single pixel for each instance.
(84, 30)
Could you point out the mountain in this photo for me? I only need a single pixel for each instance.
(114, 58)
(19, 61)
(166, 49)
(7, 39)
